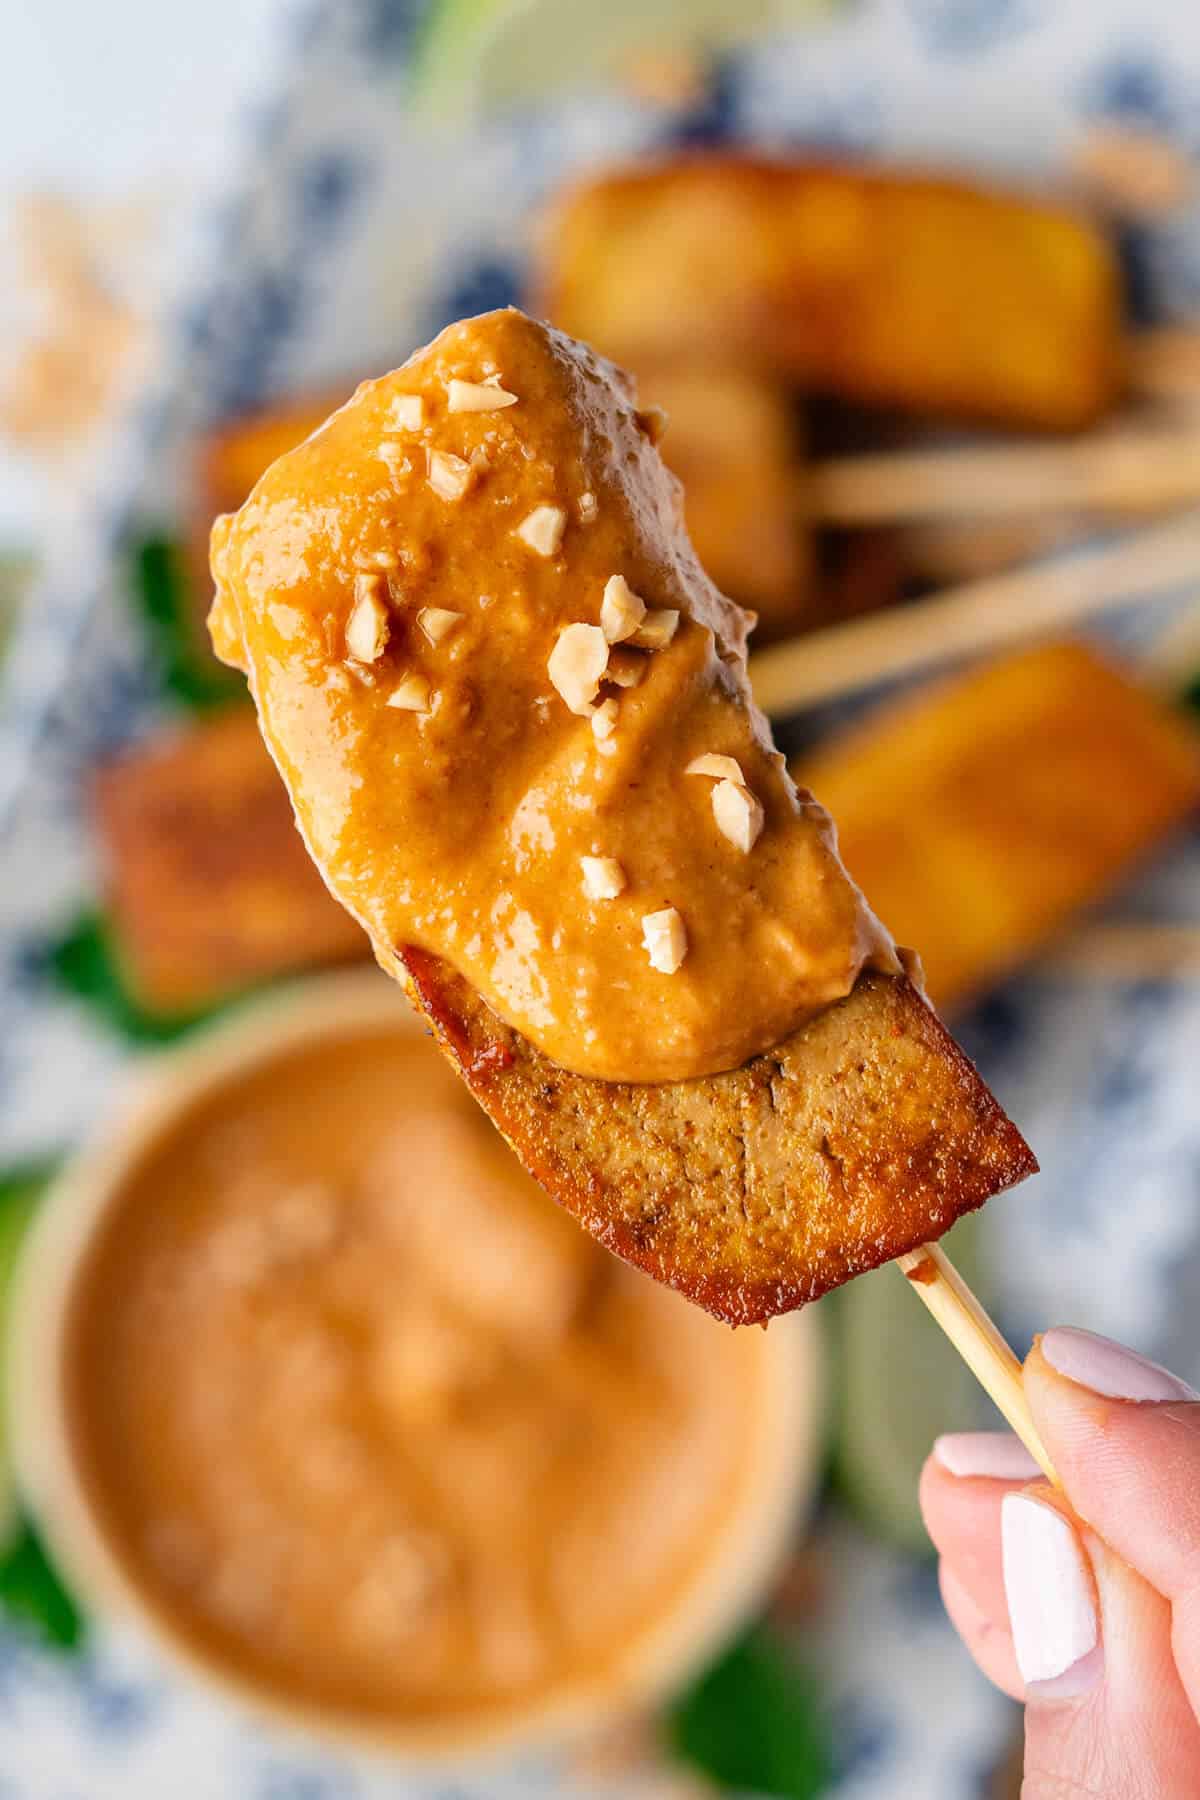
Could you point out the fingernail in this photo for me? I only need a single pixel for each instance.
(1049, 1590)
(997, 1455)
(1110, 1369)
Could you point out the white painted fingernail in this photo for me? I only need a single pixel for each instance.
(996, 1455)
(1110, 1369)
(1049, 1591)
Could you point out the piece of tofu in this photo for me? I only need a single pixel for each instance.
(733, 439)
(981, 814)
(231, 458)
(208, 882)
(905, 290)
(226, 464)
(648, 1061)
(861, 1136)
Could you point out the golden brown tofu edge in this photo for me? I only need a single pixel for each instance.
(865, 1135)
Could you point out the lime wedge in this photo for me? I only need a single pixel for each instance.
(499, 53)
(445, 64)
(19, 1196)
(901, 1384)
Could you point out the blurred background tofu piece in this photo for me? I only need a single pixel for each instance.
(898, 289)
(230, 459)
(733, 438)
(980, 815)
(209, 885)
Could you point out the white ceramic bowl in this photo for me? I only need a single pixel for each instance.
(722, 1591)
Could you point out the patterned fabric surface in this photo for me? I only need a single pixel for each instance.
(347, 235)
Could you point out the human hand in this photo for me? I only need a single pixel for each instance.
(1084, 1604)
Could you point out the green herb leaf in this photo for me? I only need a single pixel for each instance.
(21, 1187)
(21, 1191)
(754, 1722)
(32, 1592)
(86, 964)
(161, 589)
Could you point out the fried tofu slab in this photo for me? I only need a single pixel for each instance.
(900, 290)
(230, 459)
(636, 943)
(206, 878)
(732, 438)
(861, 1136)
(981, 815)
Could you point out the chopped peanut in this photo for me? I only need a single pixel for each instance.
(738, 813)
(653, 420)
(604, 720)
(665, 939)
(397, 458)
(449, 475)
(588, 507)
(621, 610)
(721, 768)
(603, 877)
(367, 626)
(577, 664)
(477, 397)
(407, 413)
(626, 668)
(411, 694)
(656, 629)
(437, 622)
(543, 528)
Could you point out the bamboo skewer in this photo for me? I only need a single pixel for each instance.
(977, 616)
(1130, 470)
(978, 1341)
(1129, 951)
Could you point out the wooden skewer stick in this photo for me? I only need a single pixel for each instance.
(978, 1341)
(1129, 951)
(1130, 470)
(978, 616)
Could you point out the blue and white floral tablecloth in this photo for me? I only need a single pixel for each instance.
(343, 235)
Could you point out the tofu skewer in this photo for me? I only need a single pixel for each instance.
(895, 288)
(1029, 786)
(629, 932)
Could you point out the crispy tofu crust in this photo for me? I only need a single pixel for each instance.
(863, 1135)
(893, 288)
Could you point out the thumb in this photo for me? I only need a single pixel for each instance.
(1116, 1723)
(1124, 1435)
(1090, 1576)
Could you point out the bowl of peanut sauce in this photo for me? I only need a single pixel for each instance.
(314, 1382)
